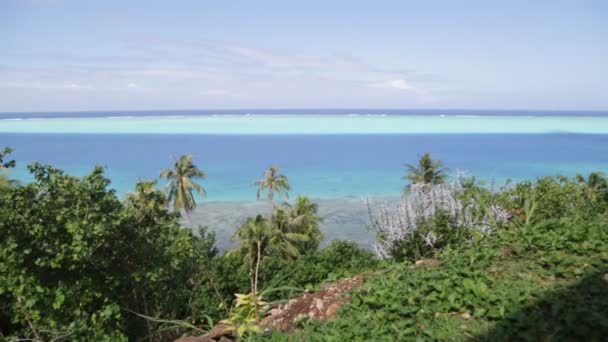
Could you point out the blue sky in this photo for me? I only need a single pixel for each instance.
(60, 55)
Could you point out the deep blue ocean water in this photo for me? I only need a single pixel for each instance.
(320, 166)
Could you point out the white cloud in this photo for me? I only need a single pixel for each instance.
(131, 85)
(396, 84)
(402, 86)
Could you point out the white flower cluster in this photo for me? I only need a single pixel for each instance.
(393, 224)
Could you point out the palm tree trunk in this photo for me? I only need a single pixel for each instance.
(255, 288)
(251, 270)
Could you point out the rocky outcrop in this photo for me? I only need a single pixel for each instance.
(320, 305)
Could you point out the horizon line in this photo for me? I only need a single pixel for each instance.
(304, 109)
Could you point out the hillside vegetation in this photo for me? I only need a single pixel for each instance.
(543, 282)
(455, 260)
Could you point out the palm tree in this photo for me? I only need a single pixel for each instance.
(255, 235)
(181, 184)
(272, 182)
(146, 197)
(594, 186)
(287, 235)
(428, 171)
(259, 235)
(302, 219)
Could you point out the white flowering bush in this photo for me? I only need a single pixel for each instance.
(431, 217)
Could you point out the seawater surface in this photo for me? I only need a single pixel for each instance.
(336, 159)
(312, 124)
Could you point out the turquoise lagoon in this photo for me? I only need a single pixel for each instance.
(310, 124)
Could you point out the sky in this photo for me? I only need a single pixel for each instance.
(80, 55)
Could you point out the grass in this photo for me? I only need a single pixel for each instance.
(535, 283)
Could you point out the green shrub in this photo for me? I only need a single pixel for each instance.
(75, 261)
(338, 260)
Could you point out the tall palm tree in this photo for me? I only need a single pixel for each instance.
(272, 182)
(181, 184)
(428, 171)
(259, 235)
(255, 235)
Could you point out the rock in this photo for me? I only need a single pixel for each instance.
(332, 310)
(320, 305)
(219, 330)
(466, 315)
(426, 263)
(217, 333)
(191, 339)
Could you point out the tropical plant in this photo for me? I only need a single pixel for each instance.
(6, 164)
(245, 316)
(545, 282)
(5, 182)
(594, 187)
(258, 235)
(433, 217)
(428, 171)
(181, 184)
(254, 235)
(272, 182)
(301, 221)
(73, 257)
(284, 238)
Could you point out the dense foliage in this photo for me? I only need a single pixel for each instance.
(79, 264)
(75, 261)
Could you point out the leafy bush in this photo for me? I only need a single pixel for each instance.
(338, 260)
(75, 261)
(553, 198)
(433, 217)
